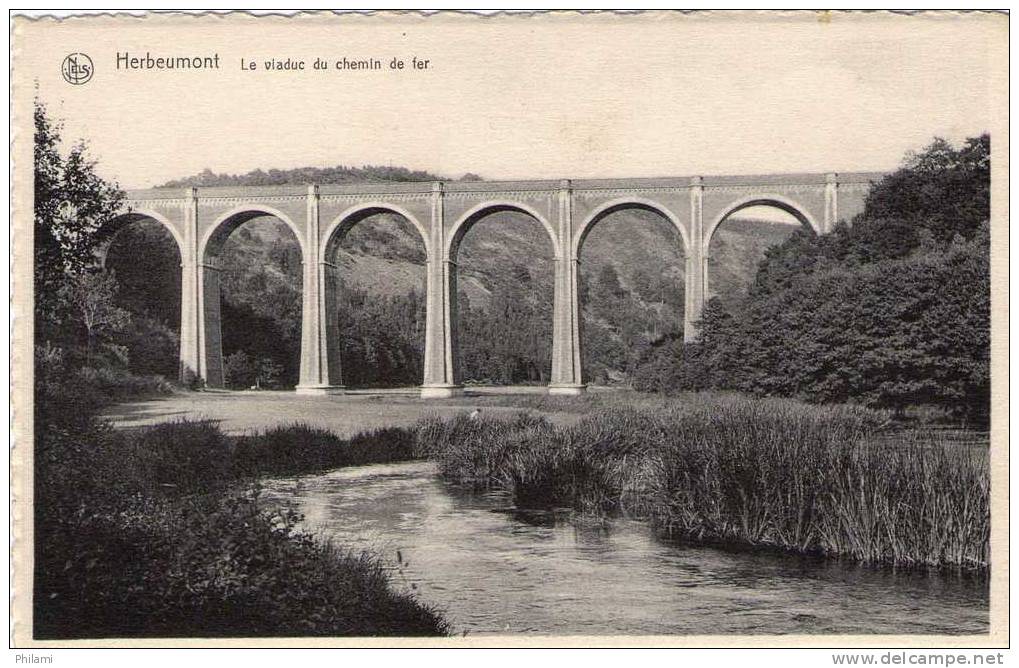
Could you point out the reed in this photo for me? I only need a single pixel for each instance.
(726, 469)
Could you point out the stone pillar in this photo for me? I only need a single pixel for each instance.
(211, 353)
(831, 202)
(190, 298)
(696, 262)
(320, 358)
(441, 377)
(567, 368)
(329, 345)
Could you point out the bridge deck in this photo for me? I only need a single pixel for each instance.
(399, 187)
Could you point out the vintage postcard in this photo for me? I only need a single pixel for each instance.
(550, 328)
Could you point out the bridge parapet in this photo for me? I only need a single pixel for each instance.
(545, 185)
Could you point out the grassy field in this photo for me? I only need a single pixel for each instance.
(343, 415)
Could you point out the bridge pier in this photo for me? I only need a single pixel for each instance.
(696, 263)
(441, 375)
(441, 378)
(211, 328)
(567, 365)
(189, 369)
(320, 354)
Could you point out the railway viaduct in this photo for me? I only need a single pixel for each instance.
(201, 219)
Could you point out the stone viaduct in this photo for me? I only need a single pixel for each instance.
(201, 219)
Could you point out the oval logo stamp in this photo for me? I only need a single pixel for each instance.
(77, 69)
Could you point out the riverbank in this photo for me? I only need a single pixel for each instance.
(161, 532)
(494, 567)
(345, 415)
(725, 469)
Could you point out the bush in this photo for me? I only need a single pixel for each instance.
(297, 448)
(211, 567)
(110, 385)
(148, 533)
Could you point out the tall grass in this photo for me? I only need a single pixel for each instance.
(196, 456)
(769, 473)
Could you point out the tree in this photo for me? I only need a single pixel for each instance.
(939, 193)
(71, 205)
(892, 311)
(608, 282)
(92, 296)
(941, 188)
(268, 373)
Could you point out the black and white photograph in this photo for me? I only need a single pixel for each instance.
(510, 329)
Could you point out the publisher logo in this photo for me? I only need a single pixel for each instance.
(77, 69)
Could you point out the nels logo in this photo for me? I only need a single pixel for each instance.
(77, 69)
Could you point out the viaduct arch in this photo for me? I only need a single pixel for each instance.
(326, 371)
(441, 212)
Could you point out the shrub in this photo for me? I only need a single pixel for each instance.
(210, 567)
(148, 533)
(298, 448)
(108, 385)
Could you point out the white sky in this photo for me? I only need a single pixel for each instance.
(527, 98)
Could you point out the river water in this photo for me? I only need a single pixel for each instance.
(493, 568)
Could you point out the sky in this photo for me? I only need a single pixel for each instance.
(525, 98)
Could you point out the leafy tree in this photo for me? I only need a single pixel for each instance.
(149, 289)
(938, 194)
(238, 370)
(941, 188)
(892, 311)
(71, 204)
(92, 296)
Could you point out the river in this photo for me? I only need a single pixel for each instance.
(493, 568)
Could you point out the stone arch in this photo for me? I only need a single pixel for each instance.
(209, 314)
(218, 232)
(345, 221)
(591, 221)
(139, 290)
(622, 204)
(467, 220)
(118, 222)
(450, 294)
(793, 208)
(332, 378)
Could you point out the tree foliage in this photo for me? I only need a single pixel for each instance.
(892, 310)
(71, 204)
(92, 298)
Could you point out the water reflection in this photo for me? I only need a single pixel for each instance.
(494, 568)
